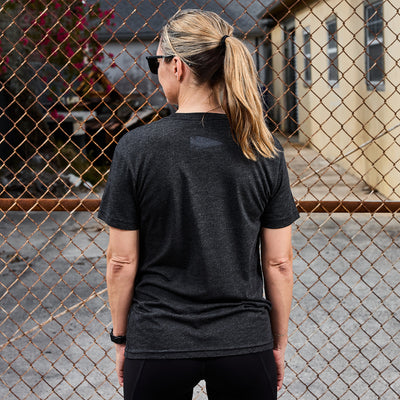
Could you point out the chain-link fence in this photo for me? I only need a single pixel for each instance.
(74, 80)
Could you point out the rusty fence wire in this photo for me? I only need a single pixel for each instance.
(73, 80)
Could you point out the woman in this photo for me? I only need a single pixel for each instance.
(188, 200)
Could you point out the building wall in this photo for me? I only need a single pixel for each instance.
(336, 120)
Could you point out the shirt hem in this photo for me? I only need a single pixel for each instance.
(282, 223)
(167, 354)
(115, 223)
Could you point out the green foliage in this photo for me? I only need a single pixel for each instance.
(76, 163)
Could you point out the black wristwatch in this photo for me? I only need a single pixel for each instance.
(117, 339)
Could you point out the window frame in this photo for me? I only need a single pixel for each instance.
(372, 40)
(307, 80)
(332, 52)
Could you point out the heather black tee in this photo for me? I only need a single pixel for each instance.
(199, 205)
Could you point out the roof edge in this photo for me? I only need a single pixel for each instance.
(281, 7)
(126, 36)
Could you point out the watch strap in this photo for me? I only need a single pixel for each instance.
(117, 339)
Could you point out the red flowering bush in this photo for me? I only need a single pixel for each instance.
(57, 32)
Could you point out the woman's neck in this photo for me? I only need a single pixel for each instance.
(198, 99)
(196, 109)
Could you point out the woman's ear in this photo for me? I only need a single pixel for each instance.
(179, 69)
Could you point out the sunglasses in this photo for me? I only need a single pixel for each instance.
(154, 63)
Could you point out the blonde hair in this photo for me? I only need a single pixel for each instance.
(197, 38)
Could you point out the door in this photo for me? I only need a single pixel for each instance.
(290, 118)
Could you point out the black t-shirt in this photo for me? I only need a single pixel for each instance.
(199, 205)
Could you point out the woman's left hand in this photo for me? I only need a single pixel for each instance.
(279, 355)
(120, 360)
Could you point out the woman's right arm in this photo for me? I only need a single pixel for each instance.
(277, 259)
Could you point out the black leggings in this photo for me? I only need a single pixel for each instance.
(241, 377)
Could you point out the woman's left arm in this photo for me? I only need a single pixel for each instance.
(122, 264)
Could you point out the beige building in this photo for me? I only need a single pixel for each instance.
(334, 69)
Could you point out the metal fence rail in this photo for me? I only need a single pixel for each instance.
(73, 80)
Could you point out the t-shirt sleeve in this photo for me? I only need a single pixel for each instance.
(281, 210)
(119, 204)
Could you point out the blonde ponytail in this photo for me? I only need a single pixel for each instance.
(242, 101)
(205, 42)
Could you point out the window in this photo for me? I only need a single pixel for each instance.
(374, 50)
(307, 56)
(332, 52)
